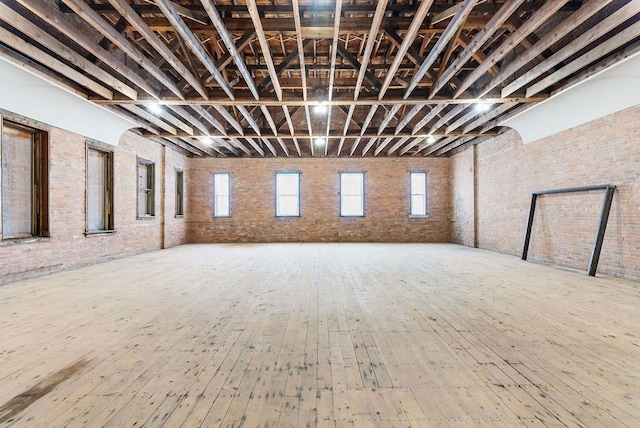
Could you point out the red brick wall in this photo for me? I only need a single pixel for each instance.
(253, 202)
(68, 246)
(462, 198)
(605, 151)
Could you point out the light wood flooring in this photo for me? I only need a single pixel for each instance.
(306, 335)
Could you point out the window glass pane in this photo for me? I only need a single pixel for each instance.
(222, 206)
(288, 205)
(221, 184)
(96, 171)
(352, 194)
(418, 193)
(418, 205)
(352, 184)
(352, 205)
(287, 194)
(17, 190)
(417, 183)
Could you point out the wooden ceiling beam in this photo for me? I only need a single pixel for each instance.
(442, 42)
(33, 52)
(264, 45)
(228, 117)
(382, 146)
(332, 70)
(134, 19)
(255, 146)
(353, 62)
(325, 9)
(534, 21)
(496, 21)
(20, 23)
(204, 113)
(150, 118)
(189, 38)
(193, 121)
(227, 39)
(435, 110)
(623, 37)
(239, 144)
(375, 27)
(312, 28)
(295, 101)
(286, 62)
(410, 146)
(488, 116)
(455, 111)
(60, 22)
(398, 144)
(573, 21)
(412, 31)
(603, 27)
(410, 115)
(99, 24)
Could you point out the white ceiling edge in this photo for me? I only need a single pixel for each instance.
(31, 96)
(613, 89)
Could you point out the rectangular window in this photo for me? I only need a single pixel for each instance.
(179, 193)
(287, 194)
(221, 195)
(418, 194)
(24, 165)
(99, 190)
(352, 194)
(146, 188)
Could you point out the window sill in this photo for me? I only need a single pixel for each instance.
(288, 216)
(147, 217)
(12, 241)
(98, 232)
(221, 216)
(179, 216)
(418, 216)
(352, 216)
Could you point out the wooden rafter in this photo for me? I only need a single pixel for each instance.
(452, 28)
(211, 10)
(178, 24)
(539, 17)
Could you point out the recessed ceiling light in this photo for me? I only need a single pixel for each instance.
(155, 108)
(320, 108)
(482, 106)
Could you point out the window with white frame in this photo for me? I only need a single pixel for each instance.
(221, 195)
(418, 194)
(287, 194)
(352, 194)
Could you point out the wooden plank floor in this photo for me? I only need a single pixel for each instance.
(305, 335)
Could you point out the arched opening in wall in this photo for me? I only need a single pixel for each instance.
(565, 225)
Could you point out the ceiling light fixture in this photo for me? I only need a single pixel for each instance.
(431, 139)
(155, 108)
(482, 106)
(321, 141)
(207, 140)
(321, 108)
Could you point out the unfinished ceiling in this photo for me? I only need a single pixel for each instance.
(245, 78)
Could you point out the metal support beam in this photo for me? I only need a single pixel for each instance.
(602, 224)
